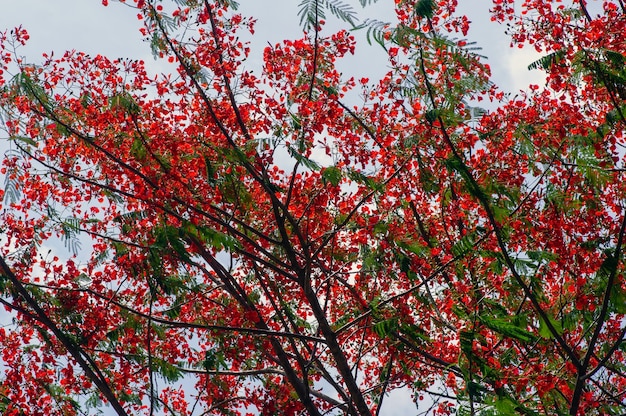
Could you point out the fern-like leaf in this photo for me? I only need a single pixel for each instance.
(375, 30)
(425, 8)
(310, 13)
(12, 189)
(71, 229)
(545, 62)
(342, 11)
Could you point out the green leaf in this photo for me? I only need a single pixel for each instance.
(457, 165)
(157, 45)
(375, 31)
(86, 100)
(138, 150)
(210, 171)
(466, 339)
(214, 360)
(609, 265)
(4, 284)
(431, 116)
(360, 177)
(171, 285)
(124, 102)
(617, 299)
(305, 161)
(544, 330)
(331, 175)
(505, 406)
(342, 11)
(414, 333)
(169, 236)
(33, 90)
(214, 238)
(541, 255)
(71, 228)
(169, 371)
(12, 187)
(547, 61)
(24, 139)
(500, 213)
(385, 328)
(414, 247)
(296, 122)
(464, 245)
(380, 228)
(506, 328)
(425, 8)
(311, 11)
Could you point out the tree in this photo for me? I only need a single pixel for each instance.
(215, 267)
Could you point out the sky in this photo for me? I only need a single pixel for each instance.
(86, 25)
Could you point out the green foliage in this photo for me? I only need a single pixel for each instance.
(507, 327)
(386, 328)
(33, 90)
(464, 245)
(375, 31)
(448, 225)
(457, 165)
(167, 370)
(5, 284)
(425, 8)
(432, 115)
(342, 11)
(332, 175)
(544, 329)
(71, 228)
(209, 236)
(605, 66)
(617, 299)
(26, 140)
(546, 62)
(138, 149)
(312, 11)
(303, 160)
(589, 165)
(214, 360)
(124, 102)
(12, 187)
(169, 237)
(609, 69)
(362, 178)
(57, 392)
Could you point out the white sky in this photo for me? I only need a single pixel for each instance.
(87, 26)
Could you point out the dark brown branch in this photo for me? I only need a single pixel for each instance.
(601, 363)
(387, 370)
(604, 310)
(273, 262)
(583, 8)
(479, 194)
(300, 386)
(357, 403)
(431, 358)
(192, 325)
(411, 289)
(361, 123)
(82, 358)
(315, 50)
